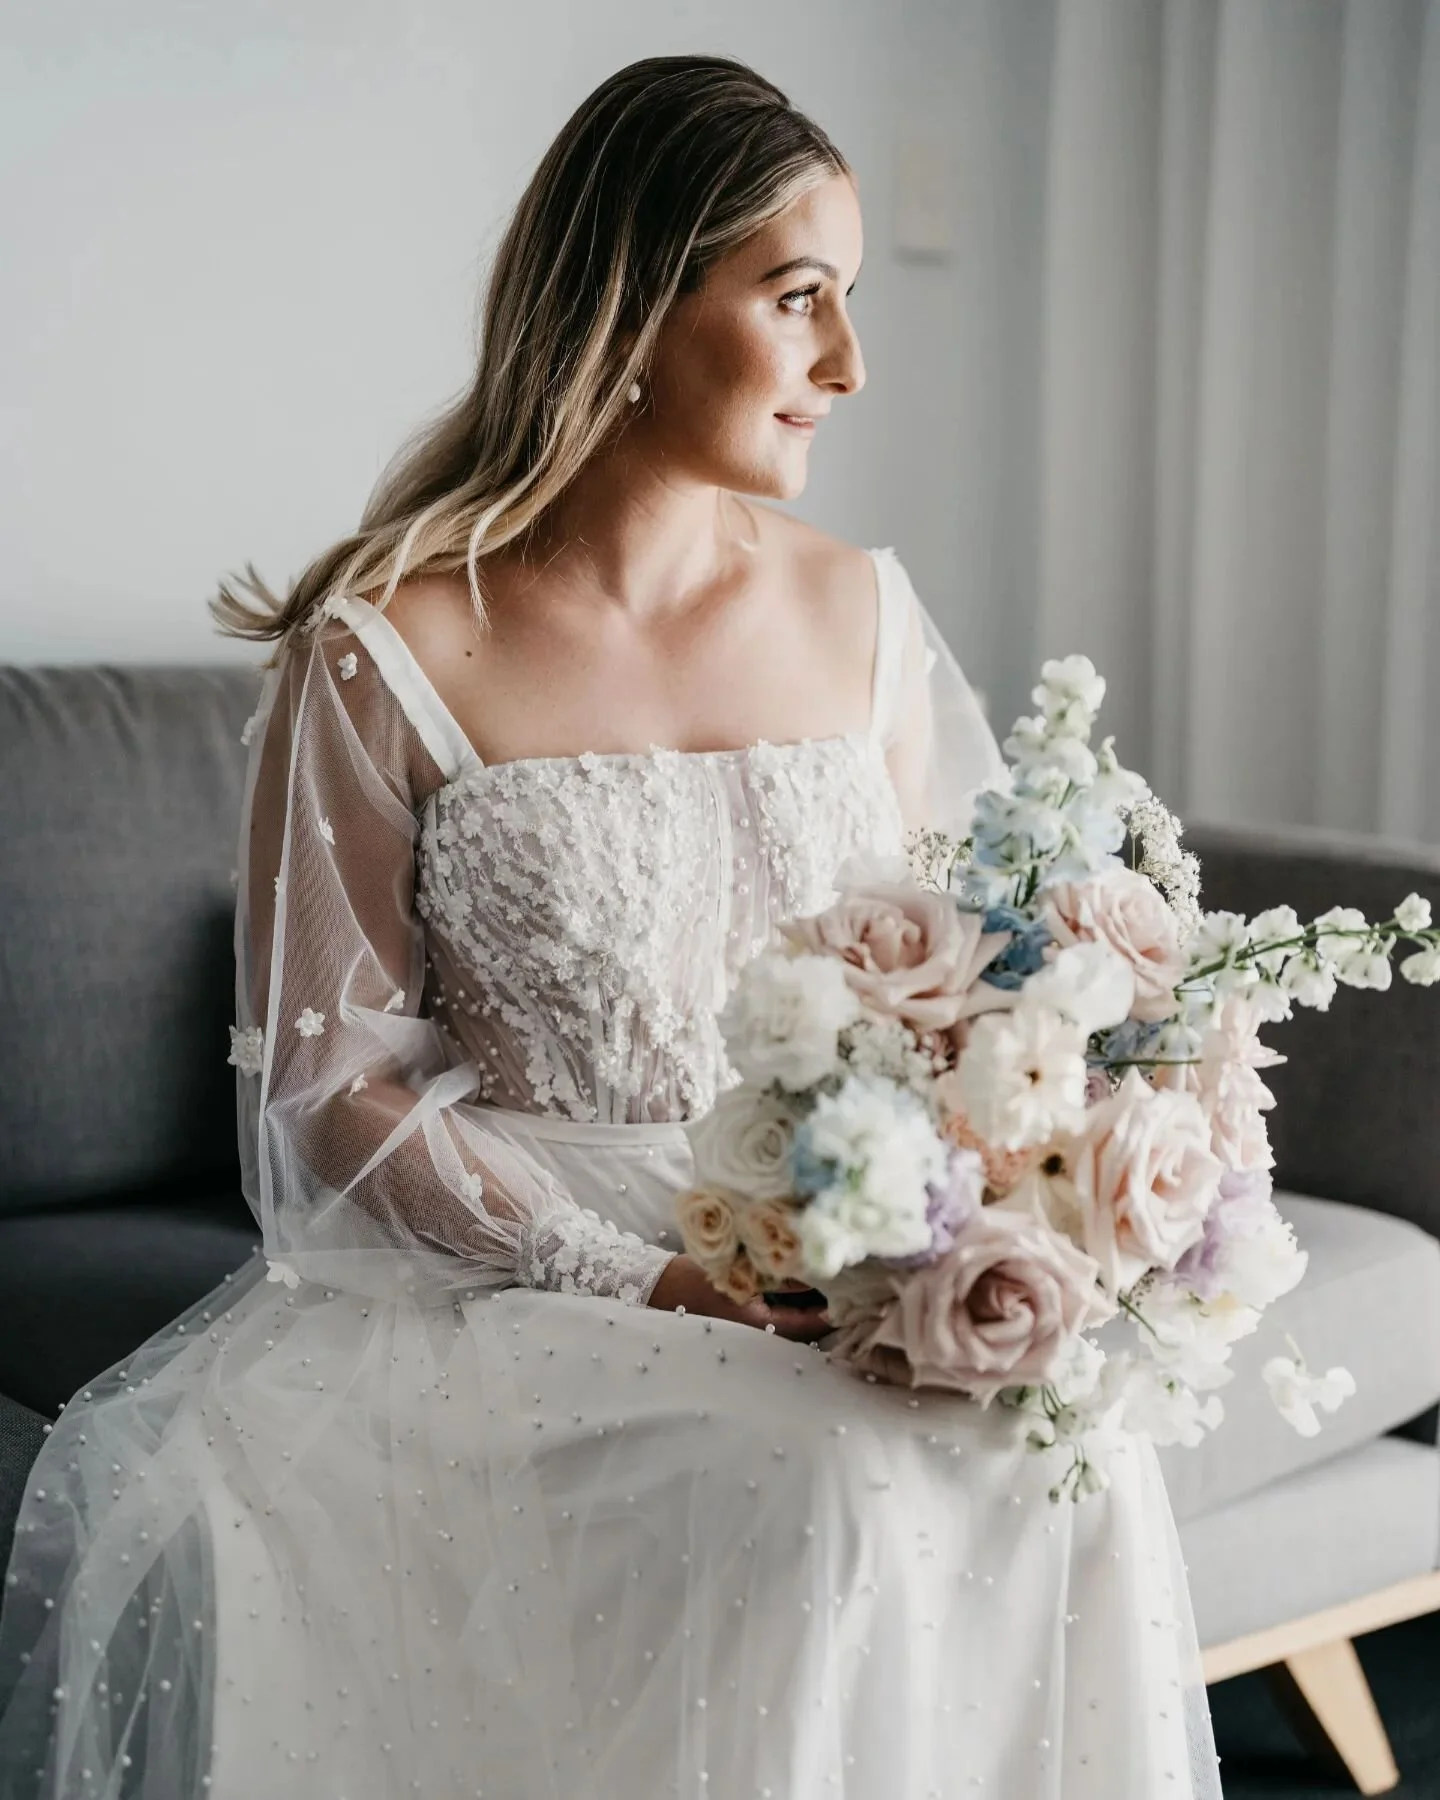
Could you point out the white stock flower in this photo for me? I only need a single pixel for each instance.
(885, 1149)
(783, 1020)
(396, 1002)
(281, 1272)
(1423, 968)
(1296, 1392)
(347, 665)
(743, 1144)
(310, 1023)
(247, 1049)
(1021, 1076)
(1413, 913)
(249, 728)
(327, 831)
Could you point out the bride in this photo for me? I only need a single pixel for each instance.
(470, 1485)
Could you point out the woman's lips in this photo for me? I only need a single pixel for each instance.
(796, 422)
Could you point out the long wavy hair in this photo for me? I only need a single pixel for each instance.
(665, 168)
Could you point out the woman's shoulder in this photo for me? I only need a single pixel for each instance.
(836, 576)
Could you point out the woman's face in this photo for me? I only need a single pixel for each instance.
(760, 341)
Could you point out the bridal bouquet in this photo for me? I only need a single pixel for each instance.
(1006, 1090)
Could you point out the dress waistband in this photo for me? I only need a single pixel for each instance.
(582, 1131)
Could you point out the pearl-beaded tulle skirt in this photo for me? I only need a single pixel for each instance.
(541, 1546)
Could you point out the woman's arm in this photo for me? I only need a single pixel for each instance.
(362, 1159)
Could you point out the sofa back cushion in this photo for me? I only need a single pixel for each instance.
(120, 798)
(1357, 1113)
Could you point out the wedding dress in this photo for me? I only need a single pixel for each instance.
(425, 1499)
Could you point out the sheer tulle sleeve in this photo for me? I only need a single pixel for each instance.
(361, 1158)
(939, 744)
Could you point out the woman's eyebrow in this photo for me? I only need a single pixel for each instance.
(805, 262)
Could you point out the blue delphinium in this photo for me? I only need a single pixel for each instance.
(1023, 955)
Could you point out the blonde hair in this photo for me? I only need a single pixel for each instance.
(665, 168)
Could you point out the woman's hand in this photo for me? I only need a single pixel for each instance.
(684, 1283)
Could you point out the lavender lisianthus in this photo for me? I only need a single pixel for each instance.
(950, 1204)
(1242, 1208)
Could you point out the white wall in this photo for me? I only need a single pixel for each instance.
(244, 248)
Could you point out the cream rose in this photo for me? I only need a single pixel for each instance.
(1126, 911)
(907, 953)
(1000, 1309)
(1144, 1177)
(709, 1226)
(743, 1145)
(768, 1231)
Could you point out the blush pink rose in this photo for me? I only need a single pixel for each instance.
(1126, 911)
(907, 953)
(1144, 1177)
(1000, 1309)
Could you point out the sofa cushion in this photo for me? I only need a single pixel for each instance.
(1369, 1301)
(81, 1287)
(1353, 1118)
(119, 817)
(1327, 1534)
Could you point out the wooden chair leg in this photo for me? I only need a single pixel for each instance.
(1328, 1700)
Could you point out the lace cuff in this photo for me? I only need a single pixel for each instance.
(578, 1253)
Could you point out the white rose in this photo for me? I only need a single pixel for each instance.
(743, 1145)
(1089, 982)
(1127, 912)
(783, 1021)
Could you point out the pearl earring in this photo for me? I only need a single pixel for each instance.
(634, 393)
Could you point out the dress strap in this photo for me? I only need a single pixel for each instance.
(891, 585)
(449, 748)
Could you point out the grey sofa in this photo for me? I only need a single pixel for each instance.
(120, 1203)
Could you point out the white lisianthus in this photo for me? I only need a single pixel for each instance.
(1259, 1266)
(743, 1145)
(884, 1149)
(783, 1020)
(1021, 1076)
(1423, 968)
(1296, 1392)
(1413, 913)
(1088, 983)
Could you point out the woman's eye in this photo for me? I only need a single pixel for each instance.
(801, 294)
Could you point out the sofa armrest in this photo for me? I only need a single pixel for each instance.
(1357, 1114)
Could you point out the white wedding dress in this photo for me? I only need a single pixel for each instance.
(425, 1500)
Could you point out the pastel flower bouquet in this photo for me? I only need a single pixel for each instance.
(1006, 1090)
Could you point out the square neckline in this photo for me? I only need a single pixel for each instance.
(459, 762)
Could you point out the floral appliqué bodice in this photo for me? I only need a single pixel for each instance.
(586, 915)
